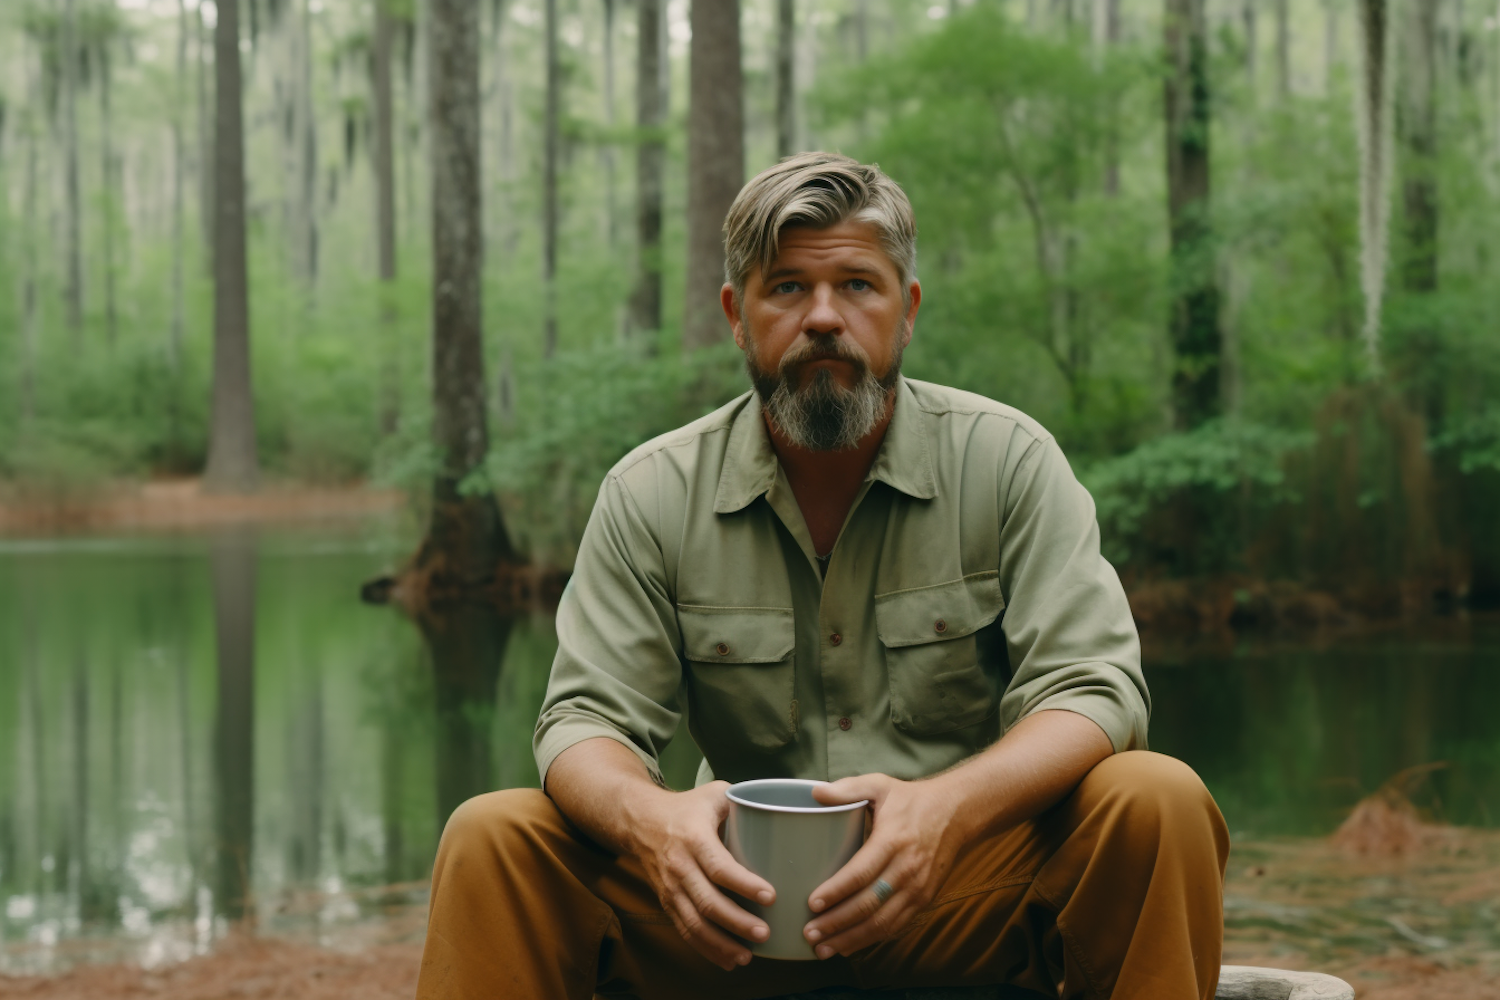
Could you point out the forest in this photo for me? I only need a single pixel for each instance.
(1239, 256)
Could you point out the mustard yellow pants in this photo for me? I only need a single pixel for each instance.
(1117, 891)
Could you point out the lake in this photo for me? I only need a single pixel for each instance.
(197, 727)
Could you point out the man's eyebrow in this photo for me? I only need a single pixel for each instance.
(788, 272)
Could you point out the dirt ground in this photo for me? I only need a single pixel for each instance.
(182, 504)
(1416, 925)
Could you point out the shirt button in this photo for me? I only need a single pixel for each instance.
(835, 638)
(940, 626)
(844, 724)
(722, 649)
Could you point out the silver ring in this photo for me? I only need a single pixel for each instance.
(882, 889)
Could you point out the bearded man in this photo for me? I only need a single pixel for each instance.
(852, 576)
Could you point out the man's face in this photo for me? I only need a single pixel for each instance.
(823, 332)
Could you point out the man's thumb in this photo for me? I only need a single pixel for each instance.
(846, 790)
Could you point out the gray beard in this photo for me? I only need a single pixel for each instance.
(823, 415)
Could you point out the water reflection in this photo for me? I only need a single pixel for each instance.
(198, 730)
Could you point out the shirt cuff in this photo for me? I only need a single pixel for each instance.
(561, 733)
(1124, 725)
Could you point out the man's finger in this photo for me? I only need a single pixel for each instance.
(721, 868)
(708, 940)
(868, 862)
(719, 908)
(846, 790)
(878, 927)
(859, 907)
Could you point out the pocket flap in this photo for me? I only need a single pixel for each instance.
(942, 611)
(736, 635)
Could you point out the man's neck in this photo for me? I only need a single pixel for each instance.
(826, 483)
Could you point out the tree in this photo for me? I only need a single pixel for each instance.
(233, 466)
(73, 281)
(651, 114)
(206, 143)
(179, 170)
(1283, 48)
(466, 538)
(1194, 323)
(786, 79)
(550, 149)
(233, 567)
(716, 162)
(102, 29)
(385, 209)
(607, 149)
(1417, 126)
(1374, 114)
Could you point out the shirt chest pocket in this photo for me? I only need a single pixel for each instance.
(937, 682)
(741, 670)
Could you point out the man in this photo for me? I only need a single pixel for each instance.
(851, 576)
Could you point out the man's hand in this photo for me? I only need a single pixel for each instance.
(678, 844)
(912, 847)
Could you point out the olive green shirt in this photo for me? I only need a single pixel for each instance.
(965, 592)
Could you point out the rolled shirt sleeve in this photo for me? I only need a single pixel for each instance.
(1068, 627)
(617, 673)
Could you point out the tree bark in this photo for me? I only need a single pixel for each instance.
(73, 276)
(607, 149)
(1417, 126)
(1283, 48)
(786, 78)
(1374, 126)
(550, 149)
(179, 168)
(233, 466)
(31, 314)
(716, 162)
(206, 147)
(1252, 39)
(233, 566)
(107, 173)
(651, 112)
(1330, 42)
(466, 539)
(385, 218)
(1194, 325)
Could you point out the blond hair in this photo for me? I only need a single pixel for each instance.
(817, 190)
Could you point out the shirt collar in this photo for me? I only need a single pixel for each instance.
(904, 461)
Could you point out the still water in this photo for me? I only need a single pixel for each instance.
(196, 728)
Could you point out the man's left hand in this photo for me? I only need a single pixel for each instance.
(912, 846)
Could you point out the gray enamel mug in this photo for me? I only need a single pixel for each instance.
(780, 832)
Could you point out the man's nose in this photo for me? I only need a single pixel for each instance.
(823, 317)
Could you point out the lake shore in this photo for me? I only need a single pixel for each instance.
(1402, 927)
(183, 505)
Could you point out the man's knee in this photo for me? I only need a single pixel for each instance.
(1158, 796)
(498, 821)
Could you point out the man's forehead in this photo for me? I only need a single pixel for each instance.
(853, 245)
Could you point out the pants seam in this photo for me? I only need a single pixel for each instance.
(1070, 944)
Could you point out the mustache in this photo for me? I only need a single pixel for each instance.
(826, 347)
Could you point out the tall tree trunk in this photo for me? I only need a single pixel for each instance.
(179, 169)
(550, 150)
(1330, 42)
(465, 539)
(73, 277)
(31, 313)
(233, 567)
(1417, 125)
(1283, 48)
(307, 149)
(207, 166)
(650, 156)
(1252, 39)
(1374, 113)
(1107, 36)
(505, 134)
(1195, 331)
(233, 466)
(786, 77)
(107, 174)
(607, 149)
(716, 162)
(385, 218)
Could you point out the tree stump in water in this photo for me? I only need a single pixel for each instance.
(1236, 982)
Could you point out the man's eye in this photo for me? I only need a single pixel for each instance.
(859, 284)
(786, 287)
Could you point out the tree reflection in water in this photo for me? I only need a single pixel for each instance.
(233, 560)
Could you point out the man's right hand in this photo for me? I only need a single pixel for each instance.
(604, 789)
(689, 866)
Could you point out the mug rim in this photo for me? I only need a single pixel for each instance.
(807, 810)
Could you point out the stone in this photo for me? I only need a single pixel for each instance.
(1236, 982)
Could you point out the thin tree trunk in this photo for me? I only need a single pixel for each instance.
(233, 466)
(786, 78)
(466, 538)
(307, 149)
(1418, 130)
(1374, 113)
(179, 168)
(607, 149)
(550, 149)
(73, 277)
(385, 217)
(31, 314)
(1330, 42)
(1108, 35)
(1195, 329)
(107, 172)
(650, 156)
(1283, 48)
(206, 146)
(716, 162)
(233, 566)
(1252, 39)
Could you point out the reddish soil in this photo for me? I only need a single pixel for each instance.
(181, 503)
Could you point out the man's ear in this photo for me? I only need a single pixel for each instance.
(914, 295)
(732, 313)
